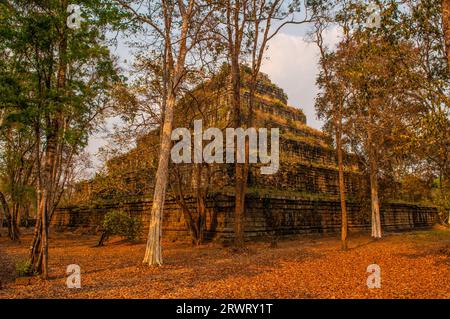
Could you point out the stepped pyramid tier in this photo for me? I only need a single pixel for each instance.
(307, 157)
(303, 193)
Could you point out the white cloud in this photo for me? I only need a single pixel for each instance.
(292, 64)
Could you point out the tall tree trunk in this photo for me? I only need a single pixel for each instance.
(239, 167)
(201, 221)
(373, 171)
(35, 249)
(338, 116)
(375, 204)
(39, 248)
(153, 255)
(175, 72)
(341, 177)
(446, 26)
(44, 236)
(47, 182)
(376, 223)
(15, 222)
(200, 195)
(242, 181)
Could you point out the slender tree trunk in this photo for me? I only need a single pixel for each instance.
(201, 222)
(44, 238)
(15, 222)
(200, 196)
(242, 181)
(239, 167)
(35, 249)
(446, 26)
(338, 116)
(375, 204)
(153, 255)
(191, 225)
(47, 182)
(341, 178)
(27, 215)
(373, 171)
(234, 28)
(376, 223)
(12, 229)
(46, 198)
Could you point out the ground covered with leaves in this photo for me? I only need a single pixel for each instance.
(413, 265)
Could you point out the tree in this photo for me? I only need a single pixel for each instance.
(17, 146)
(428, 145)
(68, 74)
(335, 89)
(178, 25)
(193, 181)
(378, 67)
(249, 26)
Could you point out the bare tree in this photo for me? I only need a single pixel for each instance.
(179, 26)
(250, 25)
(336, 90)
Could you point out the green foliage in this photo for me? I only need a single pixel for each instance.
(441, 198)
(55, 87)
(393, 83)
(23, 268)
(122, 224)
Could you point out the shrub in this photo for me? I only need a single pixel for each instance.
(122, 224)
(23, 268)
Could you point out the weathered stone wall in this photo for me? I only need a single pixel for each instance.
(265, 216)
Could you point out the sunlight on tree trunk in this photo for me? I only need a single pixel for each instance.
(375, 204)
(153, 255)
(341, 177)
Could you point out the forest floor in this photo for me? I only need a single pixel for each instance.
(413, 265)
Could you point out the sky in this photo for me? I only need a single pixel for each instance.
(291, 62)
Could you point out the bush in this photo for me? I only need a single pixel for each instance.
(23, 268)
(122, 224)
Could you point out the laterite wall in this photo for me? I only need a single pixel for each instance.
(265, 216)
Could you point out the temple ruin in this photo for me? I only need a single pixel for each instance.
(302, 197)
